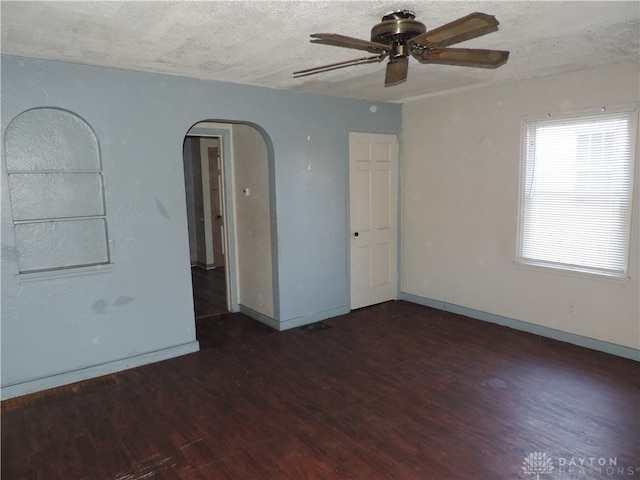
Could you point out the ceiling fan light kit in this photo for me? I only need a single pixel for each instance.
(399, 36)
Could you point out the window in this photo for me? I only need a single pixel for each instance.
(55, 186)
(576, 192)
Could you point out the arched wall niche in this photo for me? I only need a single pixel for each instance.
(54, 171)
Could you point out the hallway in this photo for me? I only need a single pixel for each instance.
(209, 292)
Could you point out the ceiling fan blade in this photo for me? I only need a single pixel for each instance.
(337, 65)
(465, 57)
(338, 40)
(396, 71)
(465, 28)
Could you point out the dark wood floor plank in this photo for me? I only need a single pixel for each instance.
(16, 450)
(394, 391)
(209, 291)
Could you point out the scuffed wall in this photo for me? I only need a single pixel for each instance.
(461, 168)
(65, 328)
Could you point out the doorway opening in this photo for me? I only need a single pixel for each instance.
(229, 186)
(204, 182)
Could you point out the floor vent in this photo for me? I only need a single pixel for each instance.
(86, 386)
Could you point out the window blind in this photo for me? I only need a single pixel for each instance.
(577, 193)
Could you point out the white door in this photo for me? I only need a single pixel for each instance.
(216, 188)
(373, 192)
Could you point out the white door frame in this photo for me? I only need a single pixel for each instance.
(224, 133)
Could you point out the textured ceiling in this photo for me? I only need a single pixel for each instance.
(263, 42)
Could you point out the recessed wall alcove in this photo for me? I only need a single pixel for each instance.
(56, 189)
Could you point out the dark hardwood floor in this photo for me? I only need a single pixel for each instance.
(393, 391)
(209, 292)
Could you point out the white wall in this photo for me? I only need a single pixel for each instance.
(252, 213)
(461, 161)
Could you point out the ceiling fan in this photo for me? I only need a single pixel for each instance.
(400, 35)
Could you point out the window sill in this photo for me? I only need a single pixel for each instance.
(572, 273)
(64, 273)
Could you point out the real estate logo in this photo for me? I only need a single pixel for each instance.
(537, 463)
(540, 463)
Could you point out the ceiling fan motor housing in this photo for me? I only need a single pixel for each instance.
(396, 29)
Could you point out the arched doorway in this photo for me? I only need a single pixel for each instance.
(227, 182)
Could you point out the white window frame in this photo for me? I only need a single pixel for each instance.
(521, 260)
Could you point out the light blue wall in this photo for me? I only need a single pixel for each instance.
(139, 310)
(187, 154)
